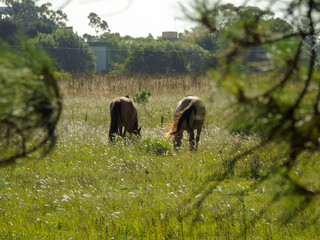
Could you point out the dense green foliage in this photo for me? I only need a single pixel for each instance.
(43, 26)
(119, 50)
(151, 56)
(30, 103)
(8, 31)
(193, 52)
(68, 51)
(31, 19)
(141, 97)
(196, 49)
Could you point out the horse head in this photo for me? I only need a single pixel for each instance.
(137, 132)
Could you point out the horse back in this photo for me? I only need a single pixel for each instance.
(128, 112)
(182, 105)
(196, 112)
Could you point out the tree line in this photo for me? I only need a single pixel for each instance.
(193, 52)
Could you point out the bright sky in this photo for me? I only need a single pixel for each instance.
(136, 18)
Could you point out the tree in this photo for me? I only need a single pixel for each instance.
(8, 30)
(31, 19)
(156, 56)
(196, 58)
(284, 100)
(155, 59)
(135, 62)
(227, 19)
(68, 51)
(119, 49)
(178, 62)
(97, 23)
(87, 37)
(147, 56)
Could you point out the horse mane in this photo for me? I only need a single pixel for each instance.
(182, 116)
(114, 119)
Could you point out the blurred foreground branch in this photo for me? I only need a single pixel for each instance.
(30, 102)
(279, 93)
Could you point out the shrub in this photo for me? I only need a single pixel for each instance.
(141, 97)
(156, 146)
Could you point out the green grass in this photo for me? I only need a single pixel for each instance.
(88, 189)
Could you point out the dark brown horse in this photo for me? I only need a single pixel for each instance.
(189, 115)
(123, 113)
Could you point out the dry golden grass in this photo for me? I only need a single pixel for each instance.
(106, 84)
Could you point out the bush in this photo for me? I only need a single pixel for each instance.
(156, 146)
(141, 97)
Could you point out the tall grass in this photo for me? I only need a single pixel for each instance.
(88, 189)
(105, 84)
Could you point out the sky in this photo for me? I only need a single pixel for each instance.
(136, 18)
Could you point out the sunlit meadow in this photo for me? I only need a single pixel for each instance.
(88, 189)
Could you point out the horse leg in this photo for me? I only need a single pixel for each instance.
(130, 132)
(112, 137)
(177, 140)
(120, 130)
(124, 135)
(191, 140)
(127, 132)
(198, 136)
(127, 135)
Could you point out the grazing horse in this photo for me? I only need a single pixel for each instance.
(123, 113)
(188, 115)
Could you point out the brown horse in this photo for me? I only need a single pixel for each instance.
(189, 115)
(123, 113)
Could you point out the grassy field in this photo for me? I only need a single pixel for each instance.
(88, 189)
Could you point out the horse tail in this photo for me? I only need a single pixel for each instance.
(114, 114)
(182, 116)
